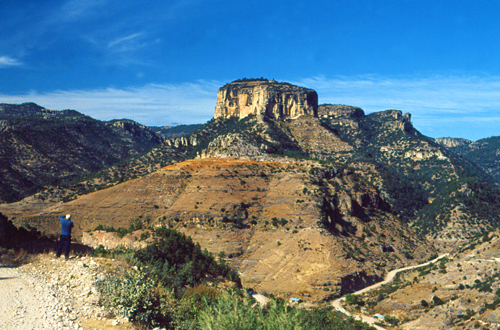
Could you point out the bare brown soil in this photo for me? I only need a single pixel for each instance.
(277, 246)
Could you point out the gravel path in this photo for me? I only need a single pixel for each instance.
(51, 294)
(28, 305)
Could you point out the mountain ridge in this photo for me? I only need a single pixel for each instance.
(334, 199)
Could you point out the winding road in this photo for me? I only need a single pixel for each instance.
(337, 303)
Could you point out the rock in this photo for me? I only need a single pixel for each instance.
(340, 111)
(358, 280)
(265, 98)
(453, 142)
(345, 204)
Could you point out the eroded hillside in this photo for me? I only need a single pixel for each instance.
(288, 227)
(459, 292)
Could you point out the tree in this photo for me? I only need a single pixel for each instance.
(351, 299)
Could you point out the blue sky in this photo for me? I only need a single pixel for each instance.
(162, 62)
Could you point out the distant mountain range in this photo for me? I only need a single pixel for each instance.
(42, 148)
(485, 153)
(329, 196)
(168, 132)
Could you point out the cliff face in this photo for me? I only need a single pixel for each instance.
(454, 142)
(265, 97)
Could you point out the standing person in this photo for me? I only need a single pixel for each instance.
(65, 239)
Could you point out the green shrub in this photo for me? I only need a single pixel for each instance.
(176, 261)
(392, 320)
(232, 311)
(351, 299)
(135, 295)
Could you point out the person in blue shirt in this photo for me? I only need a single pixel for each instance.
(65, 238)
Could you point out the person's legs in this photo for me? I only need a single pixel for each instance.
(68, 245)
(62, 241)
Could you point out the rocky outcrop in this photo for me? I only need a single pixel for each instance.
(453, 142)
(357, 281)
(265, 98)
(340, 111)
(183, 141)
(394, 120)
(230, 145)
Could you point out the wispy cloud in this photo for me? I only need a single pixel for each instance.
(6, 61)
(124, 39)
(152, 104)
(440, 106)
(75, 10)
(424, 95)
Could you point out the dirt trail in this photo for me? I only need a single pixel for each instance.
(337, 303)
(51, 293)
(26, 305)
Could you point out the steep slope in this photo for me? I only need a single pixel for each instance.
(444, 196)
(484, 153)
(43, 147)
(459, 292)
(287, 226)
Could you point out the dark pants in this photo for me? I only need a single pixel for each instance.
(64, 240)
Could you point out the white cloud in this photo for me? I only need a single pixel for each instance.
(429, 95)
(123, 39)
(6, 61)
(440, 106)
(152, 104)
(75, 10)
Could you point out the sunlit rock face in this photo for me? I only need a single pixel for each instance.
(265, 98)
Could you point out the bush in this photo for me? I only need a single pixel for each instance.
(176, 261)
(351, 299)
(232, 311)
(136, 295)
(437, 301)
(392, 320)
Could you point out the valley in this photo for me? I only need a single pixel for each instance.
(301, 200)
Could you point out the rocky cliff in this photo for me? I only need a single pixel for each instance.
(265, 97)
(453, 142)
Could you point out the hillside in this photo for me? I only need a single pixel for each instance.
(323, 243)
(484, 153)
(319, 204)
(459, 292)
(42, 148)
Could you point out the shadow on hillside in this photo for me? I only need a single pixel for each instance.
(17, 245)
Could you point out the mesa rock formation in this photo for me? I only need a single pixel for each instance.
(265, 97)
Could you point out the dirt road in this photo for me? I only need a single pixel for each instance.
(50, 293)
(26, 304)
(390, 276)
